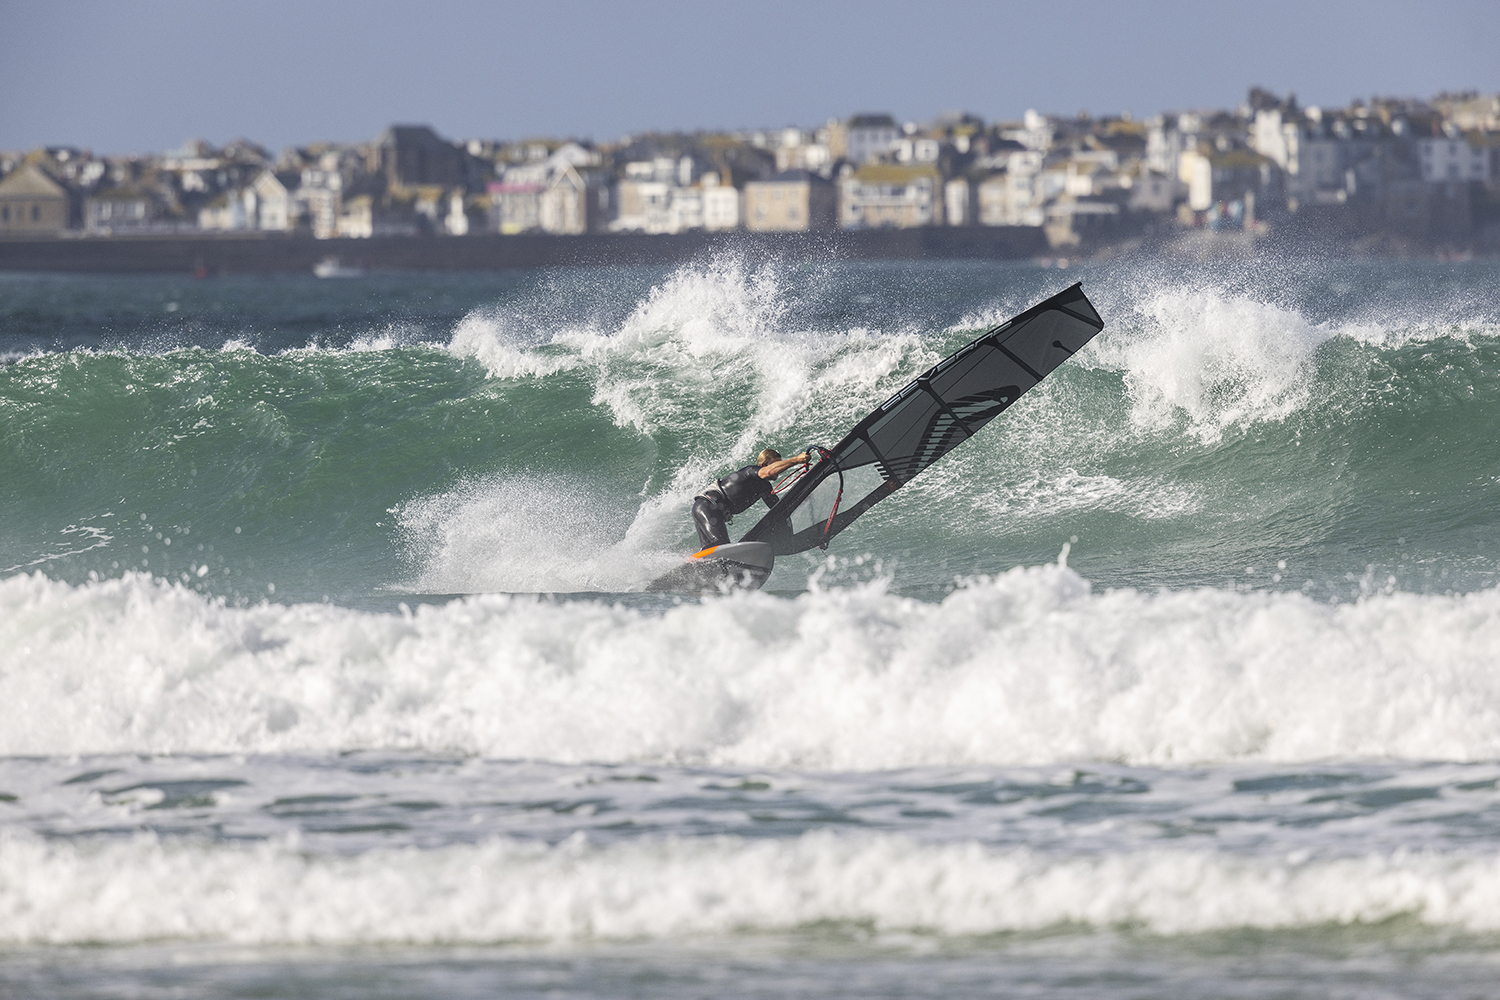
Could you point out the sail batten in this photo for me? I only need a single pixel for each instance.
(929, 417)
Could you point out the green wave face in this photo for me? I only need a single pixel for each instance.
(1327, 428)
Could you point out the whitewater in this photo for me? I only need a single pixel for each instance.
(326, 660)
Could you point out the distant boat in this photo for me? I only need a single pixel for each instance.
(329, 267)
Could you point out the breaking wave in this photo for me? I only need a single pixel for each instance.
(151, 888)
(1030, 666)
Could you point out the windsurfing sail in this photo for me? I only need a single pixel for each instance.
(935, 413)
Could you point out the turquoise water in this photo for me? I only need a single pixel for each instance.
(330, 671)
(324, 437)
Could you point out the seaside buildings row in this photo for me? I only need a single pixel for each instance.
(1422, 170)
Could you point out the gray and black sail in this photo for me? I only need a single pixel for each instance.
(936, 412)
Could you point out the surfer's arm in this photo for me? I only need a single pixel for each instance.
(773, 469)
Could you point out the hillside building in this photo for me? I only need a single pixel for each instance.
(125, 209)
(887, 194)
(791, 201)
(1008, 198)
(869, 137)
(1453, 158)
(722, 204)
(414, 155)
(32, 203)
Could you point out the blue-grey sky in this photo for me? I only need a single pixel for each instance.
(144, 75)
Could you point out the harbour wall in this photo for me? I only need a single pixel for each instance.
(270, 253)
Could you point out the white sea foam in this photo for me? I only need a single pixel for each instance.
(76, 539)
(699, 333)
(1026, 494)
(505, 352)
(13, 356)
(389, 337)
(151, 888)
(1030, 667)
(1215, 359)
(528, 534)
(1210, 359)
(1469, 329)
(706, 333)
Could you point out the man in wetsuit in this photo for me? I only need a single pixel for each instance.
(737, 492)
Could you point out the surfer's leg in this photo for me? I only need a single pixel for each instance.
(710, 523)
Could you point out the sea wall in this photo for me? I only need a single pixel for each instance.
(266, 253)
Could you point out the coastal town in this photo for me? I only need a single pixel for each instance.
(1415, 174)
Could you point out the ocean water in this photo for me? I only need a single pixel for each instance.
(326, 669)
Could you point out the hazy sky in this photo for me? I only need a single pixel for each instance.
(146, 74)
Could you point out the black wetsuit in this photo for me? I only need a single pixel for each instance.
(716, 506)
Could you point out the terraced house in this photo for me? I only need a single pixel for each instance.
(791, 201)
(890, 195)
(32, 203)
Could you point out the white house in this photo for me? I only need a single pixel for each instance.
(800, 150)
(1007, 199)
(869, 137)
(456, 222)
(516, 199)
(1166, 138)
(270, 202)
(1453, 158)
(659, 196)
(1197, 172)
(276, 206)
(881, 195)
(226, 213)
(721, 204)
(686, 209)
(322, 188)
(367, 216)
(561, 194)
(644, 206)
(917, 149)
(575, 198)
(1036, 132)
(1152, 192)
(958, 202)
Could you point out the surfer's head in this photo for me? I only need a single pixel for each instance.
(767, 456)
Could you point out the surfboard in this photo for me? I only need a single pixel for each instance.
(930, 416)
(744, 565)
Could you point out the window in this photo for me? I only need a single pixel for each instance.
(36, 213)
(4, 213)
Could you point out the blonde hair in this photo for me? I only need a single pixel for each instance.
(767, 456)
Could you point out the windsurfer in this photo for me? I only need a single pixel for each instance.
(716, 506)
